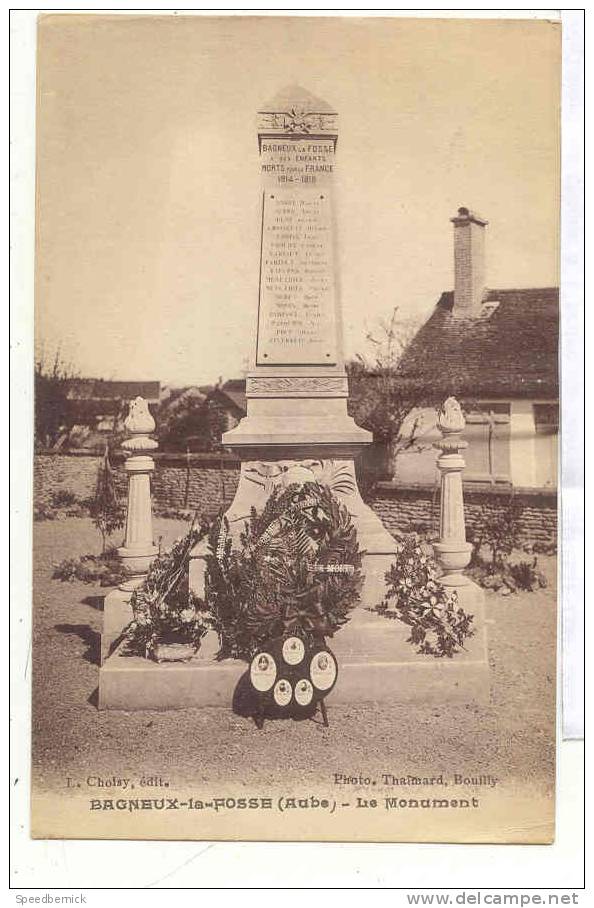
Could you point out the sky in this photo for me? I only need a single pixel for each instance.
(148, 184)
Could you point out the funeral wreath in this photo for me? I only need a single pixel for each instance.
(168, 617)
(297, 570)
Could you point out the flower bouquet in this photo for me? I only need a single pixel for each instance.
(169, 620)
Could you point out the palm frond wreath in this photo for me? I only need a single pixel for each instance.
(297, 570)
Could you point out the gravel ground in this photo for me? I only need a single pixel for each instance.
(512, 738)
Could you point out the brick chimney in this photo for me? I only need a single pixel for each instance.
(469, 262)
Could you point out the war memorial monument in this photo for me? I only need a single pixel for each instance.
(297, 430)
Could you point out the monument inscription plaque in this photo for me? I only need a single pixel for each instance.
(297, 300)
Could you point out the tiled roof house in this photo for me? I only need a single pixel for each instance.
(95, 408)
(497, 351)
(508, 350)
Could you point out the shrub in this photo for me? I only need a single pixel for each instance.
(105, 569)
(174, 513)
(527, 576)
(44, 512)
(509, 577)
(108, 513)
(63, 504)
(545, 548)
(63, 498)
(498, 531)
(66, 570)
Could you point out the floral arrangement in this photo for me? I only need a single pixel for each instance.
(438, 625)
(297, 570)
(165, 609)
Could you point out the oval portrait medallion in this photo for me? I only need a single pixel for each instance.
(293, 650)
(263, 671)
(323, 670)
(282, 692)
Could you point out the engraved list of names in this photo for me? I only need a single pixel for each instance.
(296, 320)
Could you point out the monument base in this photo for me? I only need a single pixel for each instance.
(375, 664)
(117, 614)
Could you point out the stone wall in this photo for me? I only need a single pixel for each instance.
(206, 481)
(196, 481)
(70, 472)
(404, 508)
(203, 483)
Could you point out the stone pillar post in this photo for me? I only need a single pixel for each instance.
(138, 549)
(452, 551)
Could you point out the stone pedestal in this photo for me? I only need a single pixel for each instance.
(453, 551)
(117, 614)
(138, 549)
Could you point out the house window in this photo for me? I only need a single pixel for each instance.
(487, 433)
(546, 427)
(546, 419)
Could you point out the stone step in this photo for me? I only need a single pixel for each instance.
(375, 664)
(375, 638)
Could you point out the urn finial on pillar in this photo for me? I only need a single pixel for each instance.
(452, 551)
(138, 549)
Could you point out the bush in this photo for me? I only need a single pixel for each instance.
(105, 569)
(544, 548)
(497, 531)
(174, 513)
(107, 511)
(508, 577)
(527, 576)
(63, 498)
(66, 570)
(44, 512)
(63, 504)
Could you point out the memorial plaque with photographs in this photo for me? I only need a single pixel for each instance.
(290, 678)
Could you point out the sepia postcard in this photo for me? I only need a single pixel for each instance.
(296, 428)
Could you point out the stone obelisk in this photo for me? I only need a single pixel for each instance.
(297, 427)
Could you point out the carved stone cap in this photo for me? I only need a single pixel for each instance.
(450, 418)
(295, 111)
(139, 424)
(139, 420)
(294, 96)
